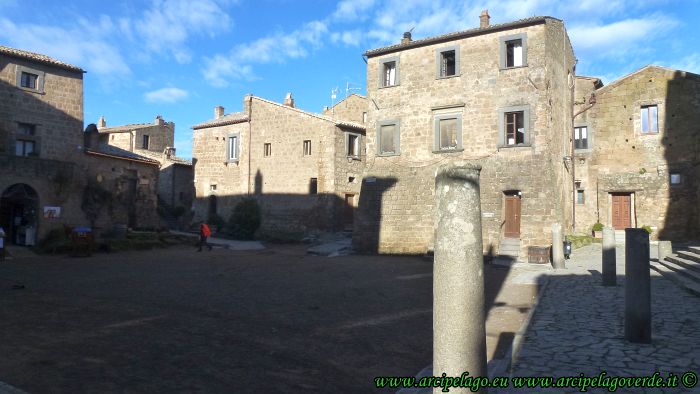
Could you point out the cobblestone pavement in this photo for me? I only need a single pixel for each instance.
(578, 327)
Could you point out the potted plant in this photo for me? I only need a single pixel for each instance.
(598, 230)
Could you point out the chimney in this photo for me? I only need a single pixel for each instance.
(159, 121)
(406, 37)
(218, 112)
(289, 100)
(101, 123)
(484, 19)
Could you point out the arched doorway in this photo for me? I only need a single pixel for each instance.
(19, 207)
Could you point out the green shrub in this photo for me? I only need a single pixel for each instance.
(244, 220)
(647, 229)
(598, 226)
(216, 221)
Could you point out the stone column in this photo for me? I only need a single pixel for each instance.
(609, 258)
(664, 249)
(637, 286)
(459, 329)
(557, 247)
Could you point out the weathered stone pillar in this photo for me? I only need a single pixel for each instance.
(557, 247)
(665, 249)
(459, 329)
(637, 286)
(609, 258)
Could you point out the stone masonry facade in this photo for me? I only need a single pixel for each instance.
(395, 214)
(295, 163)
(654, 161)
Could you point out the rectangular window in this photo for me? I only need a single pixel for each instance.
(26, 128)
(650, 119)
(267, 149)
(307, 147)
(389, 72)
(579, 197)
(29, 80)
(388, 138)
(353, 145)
(514, 53)
(313, 186)
(675, 178)
(233, 147)
(364, 117)
(145, 142)
(448, 63)
(515, 128)
(448, 132)
(212, 187)
(581, 137)
(25, 148)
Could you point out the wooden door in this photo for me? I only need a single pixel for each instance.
(512, 216)
(621, 210)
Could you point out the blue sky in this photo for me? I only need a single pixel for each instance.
(180, 58)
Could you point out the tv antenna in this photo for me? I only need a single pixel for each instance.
(349, 88)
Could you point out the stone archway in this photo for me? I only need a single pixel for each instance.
(19, 214)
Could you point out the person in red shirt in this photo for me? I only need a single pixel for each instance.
(204, 233)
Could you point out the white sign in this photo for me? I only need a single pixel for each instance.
(487, 214)
(52, 212)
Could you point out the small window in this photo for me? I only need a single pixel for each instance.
(364, 117)
(448, 132)
(232, 148)
(212, 188)
(675, 178)
(313, 186)
(514, 51)
(307, 147)
(29, 80)
(650, 119)
(145, 142)
(353, 145)
(515, 128)
(267, 149)
(389, 72)
(388, 138)
(580, 197)
(26, 128)
(25, 148)
(448, 62)
(581, 137)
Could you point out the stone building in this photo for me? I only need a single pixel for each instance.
(352, 108)
(155, 141)
(637, 152)
(303, 168)
(45, 170)
(497, 95)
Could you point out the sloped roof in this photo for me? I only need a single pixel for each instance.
(159, 157)
(236, 117)
(124, 128)
(534, 20)
(239, 117)
(620, 80)
(119, 153)
(38, 57)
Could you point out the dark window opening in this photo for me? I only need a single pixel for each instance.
(307, 147)
(515, 128)
(448, 62)
(389, 74)
(313, 186)
(145, 142)
(25, 148)
(28, 80)
(353, 145)
(26, 129)
(581, 137)
(267, 149)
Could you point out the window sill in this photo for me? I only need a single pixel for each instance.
(448, 150)
(231, 161)
(650, 133)
(448, 76)
(513, 68)
(356, 158)
(583, 151)
(389, 86)
(514, 146)
(388, 154)
(30, 90)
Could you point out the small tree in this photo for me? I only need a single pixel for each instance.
(245, 219)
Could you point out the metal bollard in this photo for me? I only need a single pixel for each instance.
(609, 258)
(637, 286)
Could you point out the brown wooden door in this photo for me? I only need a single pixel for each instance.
(621, 210)
(349, 210)
(512, 217)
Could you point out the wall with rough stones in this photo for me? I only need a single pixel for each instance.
(623, 159)
(280, 182)
(352, 108)
(396, 203)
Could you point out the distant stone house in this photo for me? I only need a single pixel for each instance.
(155, 141)
(304, 169)
(45, 169)
(637, 152)
(499, 96)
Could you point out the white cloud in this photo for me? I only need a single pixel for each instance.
(167, 25)
(76, 46)
(689, 63)
(349, 11)
(350, 37)
(166, 95)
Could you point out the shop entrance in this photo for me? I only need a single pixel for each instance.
(19, 207)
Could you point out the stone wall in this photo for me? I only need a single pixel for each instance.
(395, 213)
(352, 108)
(160, 136)
(623, 159)
(281, 181)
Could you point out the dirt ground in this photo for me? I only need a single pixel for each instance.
(275, 320)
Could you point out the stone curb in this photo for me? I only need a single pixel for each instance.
(505, 365)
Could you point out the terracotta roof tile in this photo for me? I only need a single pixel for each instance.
(38, 57)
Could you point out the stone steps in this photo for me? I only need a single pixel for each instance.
(508, 251)
(683, 268)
